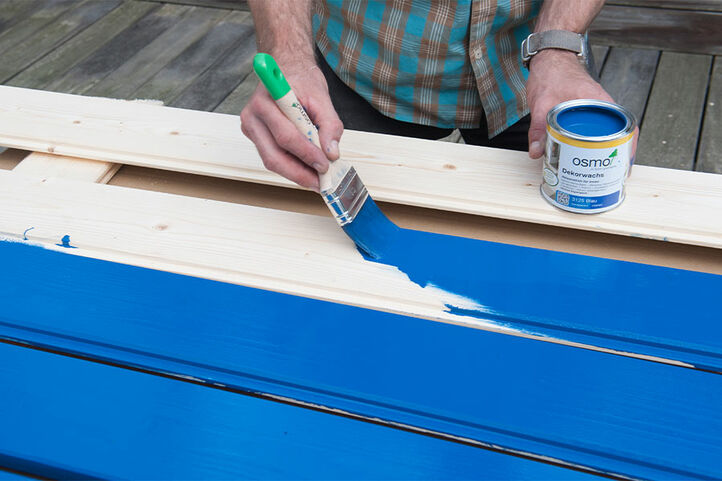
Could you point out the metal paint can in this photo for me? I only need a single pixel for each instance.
(588, 155)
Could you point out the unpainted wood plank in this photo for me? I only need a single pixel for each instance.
(71, 22)
(41, 164)
(709, 157)
(658, 29)
(124, 46)
(394, 169)
(209, 90)
(673, 117)
(42, 16)
(628, 76)
(704, 5)
(83, 45)
(185, 31)
(236, 100)
(599, 54)
(175, 77)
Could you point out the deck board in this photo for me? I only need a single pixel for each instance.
(673, 117)
(628, 76)
(709, 158)
(182, 71)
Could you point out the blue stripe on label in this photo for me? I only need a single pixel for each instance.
(583, 202)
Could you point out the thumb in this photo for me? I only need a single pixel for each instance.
(537, 134)
(330, 127)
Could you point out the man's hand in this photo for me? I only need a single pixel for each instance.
(555, 76)
(282, 147)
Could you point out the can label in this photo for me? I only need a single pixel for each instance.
(586, 178)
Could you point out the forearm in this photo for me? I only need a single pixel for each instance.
(572, 15)
(283, 29)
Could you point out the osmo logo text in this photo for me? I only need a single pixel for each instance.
(592, 162)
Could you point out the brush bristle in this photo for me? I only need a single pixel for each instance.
(371, 230)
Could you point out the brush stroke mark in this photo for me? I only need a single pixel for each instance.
(508, 393)
(617, 305)
(65, 242)
(176, 430)
(25, 237)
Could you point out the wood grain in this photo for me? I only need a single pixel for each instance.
(673, 117)
(444, 176)
(658, 29)
(199, 59)
(46, 166)
(628, 77)
(61, 29)
(42, 16)
(122, 48)
(709, 157)
(66, 56)
(148, 61)
(704, 5)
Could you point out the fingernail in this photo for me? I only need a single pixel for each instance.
(333, 148)
(317, 167)
(534, 149)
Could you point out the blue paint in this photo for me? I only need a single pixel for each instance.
(25, 236)
(372, 232)
(112, 423)
(597, 410)
(65, 242)
(618, 305)
(11, 476)
(592, 120)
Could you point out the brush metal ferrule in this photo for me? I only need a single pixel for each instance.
(346, 200)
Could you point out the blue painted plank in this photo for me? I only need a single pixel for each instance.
(70, 418)
(604, 412)
(11, 476)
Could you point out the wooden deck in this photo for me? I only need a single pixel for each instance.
(197, 54)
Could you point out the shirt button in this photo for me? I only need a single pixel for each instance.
(477, 53)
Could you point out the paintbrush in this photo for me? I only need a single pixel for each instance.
(341, 187)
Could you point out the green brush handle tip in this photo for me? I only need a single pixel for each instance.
(270, 74)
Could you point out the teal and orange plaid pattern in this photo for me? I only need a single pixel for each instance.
(433, 62)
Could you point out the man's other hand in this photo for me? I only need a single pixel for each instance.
(282, 147)
(554, 77)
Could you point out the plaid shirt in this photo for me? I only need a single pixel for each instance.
(433, 62)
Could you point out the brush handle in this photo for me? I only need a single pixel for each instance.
(273, 79)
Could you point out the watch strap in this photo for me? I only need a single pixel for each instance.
(558, 39)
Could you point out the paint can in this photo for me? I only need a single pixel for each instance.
(588, 155)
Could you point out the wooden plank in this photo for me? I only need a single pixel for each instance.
(14, 11)
(709, 157)
(567, 406)
(631, 249)
(178, 430)
(628, 76)
(45, 13)
(705, 5)
(658, 29)
(49, 165)
(64, 27)
(83, 45)
(93, 69)
(443, 176)
(175, 77)
(599, 53)
(209, 90)
(673, 118)
(235, 101)
(140, 68)
(194, 236)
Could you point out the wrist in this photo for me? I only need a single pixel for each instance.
(553, 57)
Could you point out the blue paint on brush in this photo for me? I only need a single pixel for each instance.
(606, 413)
(372, 232)
(111, 423)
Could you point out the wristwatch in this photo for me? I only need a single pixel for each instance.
(559, 39)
